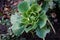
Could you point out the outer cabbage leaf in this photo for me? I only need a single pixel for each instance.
(42, 32)
(36, 8)
(17, 29)
(43, 20)
(15, 18)
(23, 7)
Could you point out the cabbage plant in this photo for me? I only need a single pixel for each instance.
(31, 17)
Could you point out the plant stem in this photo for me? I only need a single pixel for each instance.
(32, 33)
(51, 26)
(43, 38)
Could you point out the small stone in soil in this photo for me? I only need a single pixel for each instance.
(53, 15)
